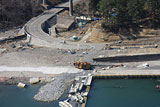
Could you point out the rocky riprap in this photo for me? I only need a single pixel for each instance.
(54, 90)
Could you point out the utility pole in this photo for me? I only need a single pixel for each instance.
(44, 2)
(71, 7)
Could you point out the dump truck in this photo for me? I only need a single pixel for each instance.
(82, 65)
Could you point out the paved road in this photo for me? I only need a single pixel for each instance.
(38, 37)
(43, 69)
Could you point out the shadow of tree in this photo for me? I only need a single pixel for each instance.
(133, 31)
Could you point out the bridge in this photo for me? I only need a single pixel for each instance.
(37, 36)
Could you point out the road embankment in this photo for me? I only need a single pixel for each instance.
(129, 58)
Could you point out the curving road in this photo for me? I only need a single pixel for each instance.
(36, 35)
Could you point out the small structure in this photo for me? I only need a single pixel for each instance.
(145, 65)
(65, 104)
(84, 94)
(74, 38)
(88, 81)
(75, 88)
(34, 80)
(44, 2)
(64, 22)
(53, 31)
(71, 7)
(158, 86)
(80, 86)
(21, 85)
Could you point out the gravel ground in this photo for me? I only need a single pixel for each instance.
(41, 57)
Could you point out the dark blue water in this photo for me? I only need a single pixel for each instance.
(124, 93)
(12, 96)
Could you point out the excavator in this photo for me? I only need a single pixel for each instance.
(82, 65)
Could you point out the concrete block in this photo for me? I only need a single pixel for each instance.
(34, 80)
(21, 85)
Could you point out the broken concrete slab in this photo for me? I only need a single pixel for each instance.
(21, 85)
(34, 80)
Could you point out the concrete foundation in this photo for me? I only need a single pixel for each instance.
(64, 23)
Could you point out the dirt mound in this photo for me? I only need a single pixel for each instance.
(149, 33)
(99, 35)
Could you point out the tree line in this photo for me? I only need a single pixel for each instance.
(18, 12)
(126, 12)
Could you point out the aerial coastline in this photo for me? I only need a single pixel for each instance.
(65, 49)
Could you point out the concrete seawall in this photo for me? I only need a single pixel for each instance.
(129, 58)
(125, 76)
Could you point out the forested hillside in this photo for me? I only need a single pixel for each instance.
(18, 12)
(117, 13)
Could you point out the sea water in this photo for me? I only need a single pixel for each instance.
(124, 93)
(12, 96)
(103, 93)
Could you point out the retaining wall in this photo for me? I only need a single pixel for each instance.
(125, 76)
(131, 58)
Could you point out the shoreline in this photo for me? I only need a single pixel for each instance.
(13, 78)
(53, 88)
(23, 74)
(41, 69)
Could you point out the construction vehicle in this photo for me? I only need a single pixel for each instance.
(82, 65)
